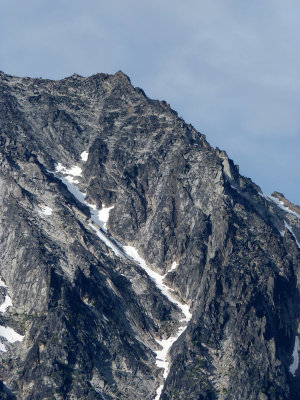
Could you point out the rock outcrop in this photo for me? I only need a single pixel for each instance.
(183, 247)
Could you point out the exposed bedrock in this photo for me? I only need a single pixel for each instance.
(90, 320)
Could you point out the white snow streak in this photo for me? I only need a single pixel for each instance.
(2, 284)
(70, 173)
(7, 303)
(70, 183)
(265, 196)
(3, 348)
(10, 334)
(166, 344)
(295, 364)
(84, 156)
(291, 230)
(100, 217)
(281, 205)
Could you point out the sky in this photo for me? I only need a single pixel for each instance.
(230, 68)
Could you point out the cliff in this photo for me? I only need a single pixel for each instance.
(136, 262)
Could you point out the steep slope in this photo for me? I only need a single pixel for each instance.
(91, 319)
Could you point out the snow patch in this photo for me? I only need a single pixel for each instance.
(281, 205)
(166, 344)
(158, 280)
(265, 196)
(70, 173)
(69, 182)
(7, 387)
(103, 216)
(2, 284)
(10, 334)
(7, 303)
(5, 331)
(74, 171)
(291, 230)
(3, 348)
(100, 217)
(158, 392)
(295, 364)
(46, 210)
(84, 156)
(173, 267)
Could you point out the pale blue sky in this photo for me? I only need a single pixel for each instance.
(231, 68)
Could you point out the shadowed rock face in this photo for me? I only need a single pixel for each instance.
(90, 319)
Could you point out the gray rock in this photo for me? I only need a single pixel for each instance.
(91, 319)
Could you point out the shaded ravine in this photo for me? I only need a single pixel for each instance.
(99, 220)
(166, 344)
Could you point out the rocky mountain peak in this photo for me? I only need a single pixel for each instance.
(136, 261)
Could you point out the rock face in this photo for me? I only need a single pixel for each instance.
(80, 318)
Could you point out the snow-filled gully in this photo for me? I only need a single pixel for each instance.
(99, 220)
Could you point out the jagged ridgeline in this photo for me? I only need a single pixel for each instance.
(136, 262)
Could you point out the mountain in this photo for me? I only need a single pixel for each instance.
(136, 262)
